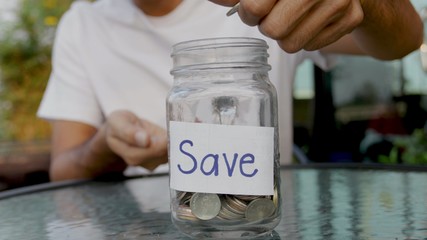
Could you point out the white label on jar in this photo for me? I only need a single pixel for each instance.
(224, 159)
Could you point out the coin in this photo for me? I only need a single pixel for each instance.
(180, 195)
(233, 10)
(205, 206)
(237, 205)
(184, 213)
(185, 200)
(247, 198)
(227, 212)
(259, 208)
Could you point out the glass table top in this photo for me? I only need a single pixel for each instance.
(318, 203)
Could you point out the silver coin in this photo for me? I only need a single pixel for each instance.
(228, 213)
(259, 209)
(185, 200)
(205, 206)
(237, 205)
(180, 195)
(247, 198)
(184, 213)
(233, 10)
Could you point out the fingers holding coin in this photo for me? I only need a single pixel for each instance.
(303, 24)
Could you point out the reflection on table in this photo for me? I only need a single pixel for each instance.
(318, 203)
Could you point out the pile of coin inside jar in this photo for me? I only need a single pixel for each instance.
(206, 206)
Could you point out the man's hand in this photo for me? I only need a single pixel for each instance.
(385, 30)
(303, 24)
(81, 151)
(138, 142)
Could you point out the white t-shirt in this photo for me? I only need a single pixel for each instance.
(108, 55)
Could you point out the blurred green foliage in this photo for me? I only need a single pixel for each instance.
(410, 149)
(25, 65)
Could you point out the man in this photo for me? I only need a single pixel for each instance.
(106, 95)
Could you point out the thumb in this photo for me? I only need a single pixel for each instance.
(142, 139)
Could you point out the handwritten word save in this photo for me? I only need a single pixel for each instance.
(213, 163)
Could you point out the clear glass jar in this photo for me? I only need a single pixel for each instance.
(223, 139)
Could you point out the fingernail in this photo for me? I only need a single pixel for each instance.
(141, 138)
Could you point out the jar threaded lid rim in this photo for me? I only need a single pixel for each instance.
(218, 42)
(224, 52)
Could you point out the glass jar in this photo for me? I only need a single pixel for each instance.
(223, 139)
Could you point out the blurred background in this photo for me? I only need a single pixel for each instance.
(362, 110)
(27, 29)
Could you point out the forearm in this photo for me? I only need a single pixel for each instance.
(391, 29)
(90, 159)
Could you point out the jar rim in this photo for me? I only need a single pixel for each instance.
(219, 66)
(217, 43)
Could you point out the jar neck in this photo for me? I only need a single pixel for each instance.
(222, 75)
(227, 54)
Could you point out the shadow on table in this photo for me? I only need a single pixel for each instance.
(23, 164)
